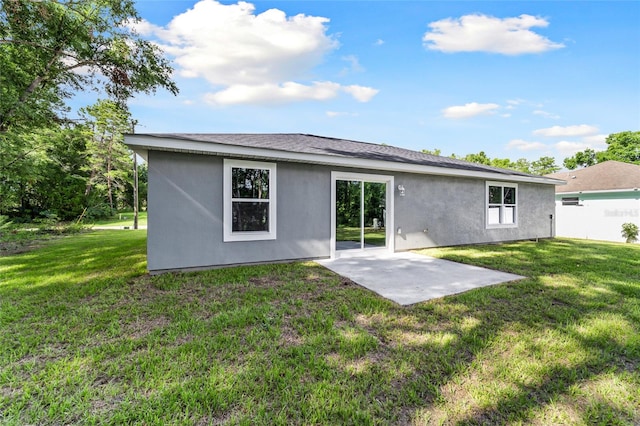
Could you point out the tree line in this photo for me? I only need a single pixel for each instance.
(622, 146)
(53, 163)
(67, 172)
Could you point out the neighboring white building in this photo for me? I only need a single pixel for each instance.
(597, 200)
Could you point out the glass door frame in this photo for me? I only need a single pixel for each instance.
(389, 222)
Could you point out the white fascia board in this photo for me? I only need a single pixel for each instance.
(600, 191)
(149, 143)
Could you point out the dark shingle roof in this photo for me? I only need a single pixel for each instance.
(610, 175)
(327, 146)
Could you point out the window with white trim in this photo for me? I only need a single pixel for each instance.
(502, 207)
(249, 200)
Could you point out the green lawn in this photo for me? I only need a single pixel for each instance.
(122, 219)
(86, 337)
(372, 236)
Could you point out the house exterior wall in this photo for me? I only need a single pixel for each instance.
(185, 210)
(185, 213)
(599, 216)
(445, 211)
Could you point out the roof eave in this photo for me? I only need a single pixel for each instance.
(141, 144)
(598, 191)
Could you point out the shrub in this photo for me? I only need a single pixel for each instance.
(630, 232)
(4, 222)
(98, 211)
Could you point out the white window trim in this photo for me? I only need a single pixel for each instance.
(228, 234)
(486, 208)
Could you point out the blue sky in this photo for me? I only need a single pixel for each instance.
(513, 79)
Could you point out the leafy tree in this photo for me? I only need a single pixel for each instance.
(503, 163)
(349, 202)
(522, 165)
(72, 168)
(50, 178)
(479, 158)
(51, 49)
(375, 196)
(61, 179)
(623, 146)
(544, 166)
(584, 158)
(348, 198)
(108, 158)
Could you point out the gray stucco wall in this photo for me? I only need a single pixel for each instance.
(185, 214)
(452, 211)
(185, 210)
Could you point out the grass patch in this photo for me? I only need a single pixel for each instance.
(376, 237)
(87, 337)
(22, 237)
(122, 219)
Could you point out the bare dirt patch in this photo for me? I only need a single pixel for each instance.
(143, 327)
(10, 248)
(290, 337)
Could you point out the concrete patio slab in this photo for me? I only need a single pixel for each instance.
(407, 278)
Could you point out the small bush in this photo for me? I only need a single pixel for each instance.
(4, 222)
(99, 211)
(630, 232)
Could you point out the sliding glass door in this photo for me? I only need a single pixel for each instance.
(360, 214)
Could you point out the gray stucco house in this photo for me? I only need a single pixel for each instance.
(225, 199)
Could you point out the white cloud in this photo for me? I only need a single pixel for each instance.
(143, 27)
(567, 131)
(597, 141)
(270, 93)
(361, 93)
(546, 114)
(523, 145)
(378, 42)
(354, 65)
(229, 44)
(341, 114)
(482, 33)
(568, 148)
(514, 102)
(469, 110)
(252, 58)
